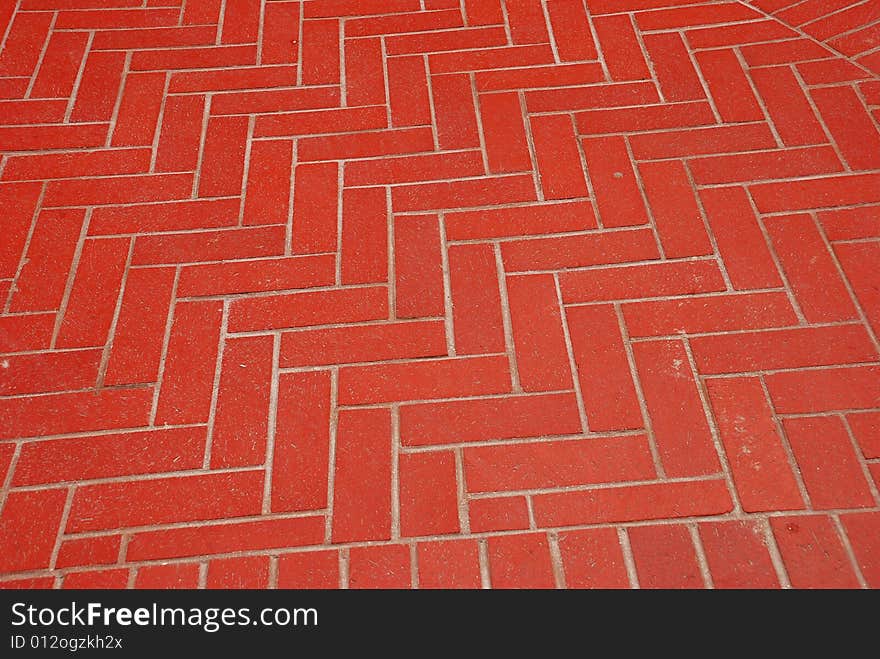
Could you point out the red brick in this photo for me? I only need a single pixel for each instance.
(579, 251)
(673, 68)
(849, 223)
(571, 31)
(137, 343)
(484, 12)
(92, 301)
(814, 279)
(188, 378)
(364, 72)
(164, 500)
(302, 442)
(541, 465)
(740, 242)
(829, 71)
(463, 194)
(727, 12)
(678, 420)
(825, 390)
(181, 132)
(738, 34)
(222, 166)
(274, 100)
(241, 419)
(865, 428)
(788, 107)
(59, 67)
(411, 169)
(620, 46)
(455, 113)
(238, 572)
(362, 485)
(208, 57)
(33, 111)
(6, 453)
(448, 564)
(857, 260)
(812, 552)
(583, 95)
(24, 43)
(320, 52)
(367, 343)
(558, 159)
(241, 22)
(428, 494)
(418, 267)
(108, 456)
(632, 503)
(97, 579)
(444, 378)
(74, 412)
(26, 332)
(862, 530)
(593, 559)
(755, 453)
(100, 550)
(417, 21)
(323, 8)
(816, 193)
(365, 144)
(498, 514)
(603, 369)
(504, 133)
(255, 276)
(715, 313)
(42, 280)
(172, 575)
(526, 21)
(476, 308)
(315, 208)
(674, 208)
(828, 464)
(445, 40)
(664, 557)
(487, 419)
(491, 58)
(225, 537)
(268, 182)
(539, 340)
(198, 12)
(117, 190)
(714, 139)
(77, 165)
(220, 245)
(615, 185)
(786, 348)
(19, 201)
(332, 120)
(850, 126)
(171, 216)
(538, 219)
(28, 528)
(555, 75)
(408, 91)
(163, 37)
(280, 32)
(364, 236)
(108, 19)
(46, 372)
(308, 570)
(644, 118)
(641, 281)
(25, 138)
(789, 163)
(737, 556)
(729, 86)
(520, 561)
(785, 52)
(384, 566)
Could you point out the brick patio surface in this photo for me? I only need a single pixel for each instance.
(439, 293)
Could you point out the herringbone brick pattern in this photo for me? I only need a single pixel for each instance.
(440, 293)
